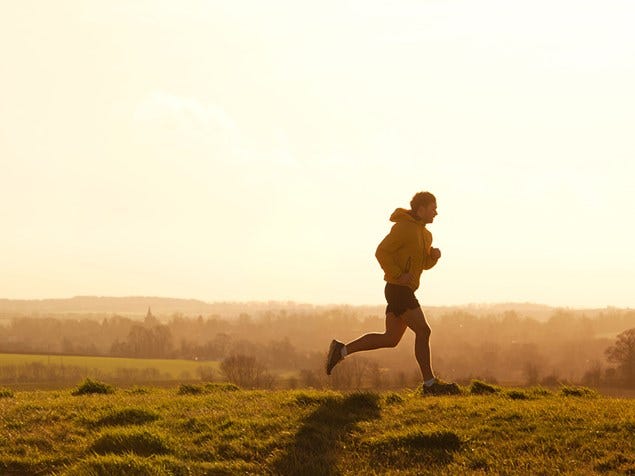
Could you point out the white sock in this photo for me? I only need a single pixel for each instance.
(429, 383)
(344, 352)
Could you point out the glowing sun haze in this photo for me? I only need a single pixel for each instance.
(239, 150)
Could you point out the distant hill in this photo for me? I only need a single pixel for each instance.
(165, 307)
(160, 306)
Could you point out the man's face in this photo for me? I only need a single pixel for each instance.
(427, 212)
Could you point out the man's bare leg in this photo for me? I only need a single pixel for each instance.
(395, 328)
(415, 319)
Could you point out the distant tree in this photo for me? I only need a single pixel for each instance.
(622, 353)
(593, 376)
(245, 371)
(145, 342)
(532, 372)
(311, 378)
(351, 374)
(376, 375)
(206, 373)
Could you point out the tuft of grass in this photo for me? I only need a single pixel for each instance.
(187, 389)
(539, 392)
(137, 390)
(392, 398)
(478, 387)
(23, 465)
(403, 449)
(517, 395)
(572, 391)
(221, 387)
(6, 393)
(123, 441)
(127, 416)
(89, 386)
(616, 463)
(304, 399)
(363, 402)
(128, 464)
(417, 439)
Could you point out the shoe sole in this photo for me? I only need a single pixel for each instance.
(330, 357)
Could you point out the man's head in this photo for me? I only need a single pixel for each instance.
(424, 206)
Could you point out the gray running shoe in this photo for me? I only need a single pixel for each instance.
(334, 355)
(441, 388)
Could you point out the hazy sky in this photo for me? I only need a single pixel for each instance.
(234, 150)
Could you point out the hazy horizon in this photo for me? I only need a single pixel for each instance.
(503, 305)
(248, 151)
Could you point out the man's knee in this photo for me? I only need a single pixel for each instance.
(424, 331)
(417, 322)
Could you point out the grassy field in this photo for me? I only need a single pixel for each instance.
(218, 429)
(169, 369)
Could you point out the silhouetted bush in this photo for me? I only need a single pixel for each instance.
(89, 386)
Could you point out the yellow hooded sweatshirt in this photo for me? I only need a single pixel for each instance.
(406, 249)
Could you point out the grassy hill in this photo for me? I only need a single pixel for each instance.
(219, 429)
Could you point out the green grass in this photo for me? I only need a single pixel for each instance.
(222, 430)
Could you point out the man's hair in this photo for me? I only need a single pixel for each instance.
(421, 199)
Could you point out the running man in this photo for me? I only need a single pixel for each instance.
(403, 255)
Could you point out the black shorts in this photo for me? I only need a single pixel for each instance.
(400, 299)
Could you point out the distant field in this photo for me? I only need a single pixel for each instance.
(174, 369)
(221, 430)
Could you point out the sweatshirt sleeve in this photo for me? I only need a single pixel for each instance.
(386, 251)
(429, 262)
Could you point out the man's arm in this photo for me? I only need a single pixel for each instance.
(387, 249)
(431, 258)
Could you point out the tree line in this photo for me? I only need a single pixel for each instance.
(594, 348)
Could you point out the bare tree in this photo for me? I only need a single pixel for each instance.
(245, 371)
(622, 353)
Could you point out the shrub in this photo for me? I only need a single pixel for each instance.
(89, 386)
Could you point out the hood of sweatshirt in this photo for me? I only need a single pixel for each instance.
(401, 214)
